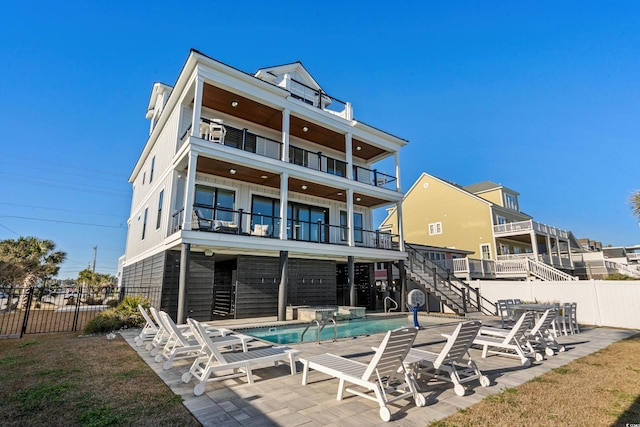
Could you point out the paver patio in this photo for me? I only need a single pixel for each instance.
(279, 399)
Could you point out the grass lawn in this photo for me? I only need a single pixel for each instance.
(601, 389)
(61, 379)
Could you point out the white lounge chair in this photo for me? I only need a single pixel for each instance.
(509, 344)
(385, 375)
(453, 359)
(541, 337)
(180, 346)
(149, 330)
(210, 361)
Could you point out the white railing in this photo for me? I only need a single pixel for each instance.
(511, 267)
(633, 256)
(545, 272)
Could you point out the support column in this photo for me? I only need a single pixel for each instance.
(351, 239)
(570, 254)
(189, 191)
(549, 252)
(396, 158)
(534, 245)
(185, 257)
(403, 286)
(348, 149)
(400, 226)
(282, 288)
(352, 282)
(286, 114)
(284, 200)
(197, 108)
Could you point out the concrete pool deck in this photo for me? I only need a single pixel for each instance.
(279, 399)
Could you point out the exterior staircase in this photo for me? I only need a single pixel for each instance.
(446, 288)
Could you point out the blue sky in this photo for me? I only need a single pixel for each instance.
(542, 97)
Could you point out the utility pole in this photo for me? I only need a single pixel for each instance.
(95, 251)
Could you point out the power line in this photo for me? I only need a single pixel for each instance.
(62, 222)
(59, 209)
(48, 162)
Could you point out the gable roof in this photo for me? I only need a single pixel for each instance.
(484, 186)
(288, 68)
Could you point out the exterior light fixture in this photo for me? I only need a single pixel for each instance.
(304, 187)
(339, 194)
(358, 199)
(234, 104)
(264, 177)
(358, 148)
(232, 171)
(305, 129)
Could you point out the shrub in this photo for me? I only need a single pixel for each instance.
(125, 314)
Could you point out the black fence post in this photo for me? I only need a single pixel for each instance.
(27, 309)
(478, 299)
(122, 294)
(76, 313)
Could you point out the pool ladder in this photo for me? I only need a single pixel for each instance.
(321, 327)
(386, 310)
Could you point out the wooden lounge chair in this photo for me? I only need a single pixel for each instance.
(180, 346)
(510, 344)
(385, 375)
(453, 359)
(211, 361)
(149, 330)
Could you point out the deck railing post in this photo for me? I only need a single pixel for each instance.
(464, 300)
(240, 215)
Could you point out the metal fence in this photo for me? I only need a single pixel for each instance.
(34, 311)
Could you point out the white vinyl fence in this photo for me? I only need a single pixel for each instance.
(613, 303)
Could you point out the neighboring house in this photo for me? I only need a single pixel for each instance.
(255, 192)
(601, 262)
(485, 219)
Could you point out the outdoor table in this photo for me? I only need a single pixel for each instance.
(538, 309)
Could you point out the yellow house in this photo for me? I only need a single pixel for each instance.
(483, 218)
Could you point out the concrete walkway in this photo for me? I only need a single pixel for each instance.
(277, 398)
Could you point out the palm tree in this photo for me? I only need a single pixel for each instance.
(26, 260)
(634, 200)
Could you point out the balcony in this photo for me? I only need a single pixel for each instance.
(244, 140)
(524, 227)
(238, 222)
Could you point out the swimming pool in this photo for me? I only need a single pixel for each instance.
(290, 334)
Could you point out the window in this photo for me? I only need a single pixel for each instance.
(144, 177)
(159, 218)
(357, 227)
(307, 223)
(144, 222)
(153, 165)
(266, 211)
(435, 228)
(214, 203)
(501, 219)
(485, 250)
(510, 201)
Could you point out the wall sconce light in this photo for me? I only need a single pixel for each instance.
(232, 171)
(304, 187)
(358, 199)
(305, 129)
(234, 104)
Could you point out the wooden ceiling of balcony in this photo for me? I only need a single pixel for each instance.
(221, 100)
(269, 179)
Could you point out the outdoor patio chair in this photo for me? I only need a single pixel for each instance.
(453, 360)
(211, 361)
(149, 330)
(568, 319)
(511, 344)
(385, 375)
(541, 337)
(506, 315)
(180, 346)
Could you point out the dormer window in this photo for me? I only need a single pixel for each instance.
(510, 201)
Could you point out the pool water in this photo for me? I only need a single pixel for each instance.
(290, 334)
